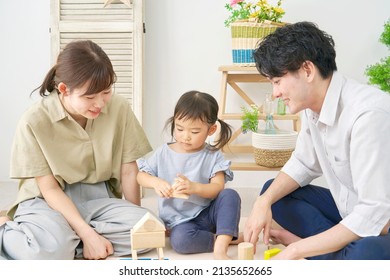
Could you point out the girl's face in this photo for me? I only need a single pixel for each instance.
(81, 106)
(191, 135)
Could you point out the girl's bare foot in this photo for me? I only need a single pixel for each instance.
(221, 256)
(221, 246)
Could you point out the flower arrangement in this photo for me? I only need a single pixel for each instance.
(250, 118)
(259, 11)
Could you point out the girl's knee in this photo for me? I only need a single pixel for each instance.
(180, 243)
(230, 194)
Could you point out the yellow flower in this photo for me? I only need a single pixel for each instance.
(279, 10)
(259, 10)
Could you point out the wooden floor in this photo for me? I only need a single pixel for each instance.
(8, 191)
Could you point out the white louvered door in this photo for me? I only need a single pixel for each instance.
(117, 28)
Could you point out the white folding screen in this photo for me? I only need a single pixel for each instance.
(117, 26)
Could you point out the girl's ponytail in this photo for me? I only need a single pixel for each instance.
(224, 135)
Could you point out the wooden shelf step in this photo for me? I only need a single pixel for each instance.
(251, 166)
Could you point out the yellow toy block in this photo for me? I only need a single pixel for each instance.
(271, 252)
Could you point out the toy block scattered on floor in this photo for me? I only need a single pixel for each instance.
(245, 251)
(271, 253)
(149, 232)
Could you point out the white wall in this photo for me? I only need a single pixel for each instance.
(24, 61)
(185, 43)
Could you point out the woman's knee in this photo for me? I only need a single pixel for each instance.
(34, 247)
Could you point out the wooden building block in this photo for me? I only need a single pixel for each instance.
(271, 252)
(148, 223)
(144, 240)
(149, 232)
(180, 195)
(148, 240)
(245, 251)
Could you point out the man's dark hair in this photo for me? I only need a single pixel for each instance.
(286, 49)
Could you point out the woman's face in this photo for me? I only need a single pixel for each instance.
(79, 105)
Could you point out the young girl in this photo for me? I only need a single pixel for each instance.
(191, 167)
(75, 153)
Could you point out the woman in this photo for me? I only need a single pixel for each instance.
(75, 154)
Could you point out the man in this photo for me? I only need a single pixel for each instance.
(344, 138)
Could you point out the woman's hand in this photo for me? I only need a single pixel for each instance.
(95, 246)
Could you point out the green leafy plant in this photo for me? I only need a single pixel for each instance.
(379, 73)
(259, 11)
(250, 119)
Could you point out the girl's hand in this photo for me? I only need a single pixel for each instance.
(163, 188)
(95, 246)
(182, 185)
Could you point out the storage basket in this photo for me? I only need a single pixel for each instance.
(245, 37)
(271, 158)
(273, 150)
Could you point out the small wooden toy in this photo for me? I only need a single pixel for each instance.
(149, 232)
(271, 252)
(178, 195)
(245, 251)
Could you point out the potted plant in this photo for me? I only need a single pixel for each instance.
(251, 21)
(250, 119)
(379, 73)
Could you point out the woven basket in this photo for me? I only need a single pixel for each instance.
(245, 37)
(271, 158)
(273, 150)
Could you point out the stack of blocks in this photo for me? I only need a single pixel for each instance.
(149, 232)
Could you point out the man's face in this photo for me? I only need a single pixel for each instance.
(293, 89)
